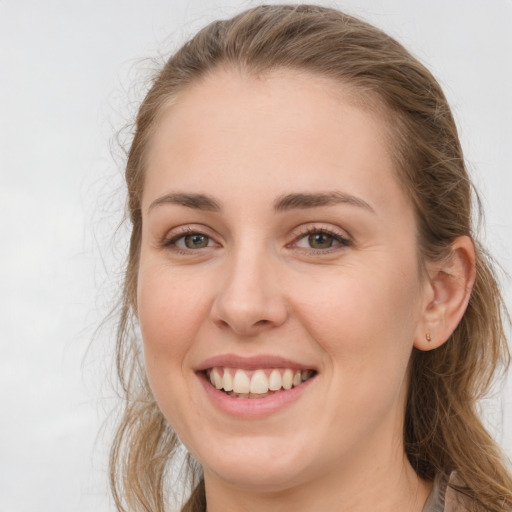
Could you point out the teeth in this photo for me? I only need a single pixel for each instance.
(305, 375)
(227, 381)
(287, 379)
(275, 382)
(217, 379)
(241, 382)
(258, 383)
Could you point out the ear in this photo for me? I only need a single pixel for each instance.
(447, 293)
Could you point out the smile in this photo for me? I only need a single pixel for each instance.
(258, 383)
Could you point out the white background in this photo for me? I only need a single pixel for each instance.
(71, 72)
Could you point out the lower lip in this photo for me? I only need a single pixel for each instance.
(253, 407)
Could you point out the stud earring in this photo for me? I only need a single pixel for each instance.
(428, 337)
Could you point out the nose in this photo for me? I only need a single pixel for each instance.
(250, 299)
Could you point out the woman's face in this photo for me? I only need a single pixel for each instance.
(278, 260)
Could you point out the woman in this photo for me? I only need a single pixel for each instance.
(317, 317)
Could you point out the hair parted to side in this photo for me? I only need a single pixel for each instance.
(443, 431)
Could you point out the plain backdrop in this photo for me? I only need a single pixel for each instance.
(71, 74)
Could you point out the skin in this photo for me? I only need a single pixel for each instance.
(352, 311)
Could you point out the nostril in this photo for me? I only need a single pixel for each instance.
(222, 324)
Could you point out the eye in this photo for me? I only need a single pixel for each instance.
(190, 241)
(320, 240)
(195, 241)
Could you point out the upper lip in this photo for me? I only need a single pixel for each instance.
(251, 363)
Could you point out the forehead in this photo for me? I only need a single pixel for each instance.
(285, 89)
(272, 132)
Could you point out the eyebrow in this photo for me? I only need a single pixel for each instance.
(197, 201)
(284, 203)
(314, 200)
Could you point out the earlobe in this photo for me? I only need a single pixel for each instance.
(450, 283)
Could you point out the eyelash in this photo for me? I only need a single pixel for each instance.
(340, 241)
(170, 243)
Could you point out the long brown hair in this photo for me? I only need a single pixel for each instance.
(443, 431)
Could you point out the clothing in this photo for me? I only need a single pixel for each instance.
(444, 498)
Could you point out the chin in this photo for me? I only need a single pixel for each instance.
(262, 467)
(261, 478)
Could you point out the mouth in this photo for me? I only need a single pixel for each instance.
(257, 383)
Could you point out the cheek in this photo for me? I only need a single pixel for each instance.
(365, 321)
(169, 312)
